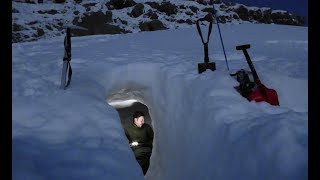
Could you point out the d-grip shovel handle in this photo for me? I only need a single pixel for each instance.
(205, 44)
(199, 29)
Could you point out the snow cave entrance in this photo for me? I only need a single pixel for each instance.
(126, 112)
(126, 102)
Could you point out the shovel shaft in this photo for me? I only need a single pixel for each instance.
(253, 70)
(254, 73)
(206, 54)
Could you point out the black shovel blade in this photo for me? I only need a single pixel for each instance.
(204, 66)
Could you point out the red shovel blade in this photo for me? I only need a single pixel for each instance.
(269, 96)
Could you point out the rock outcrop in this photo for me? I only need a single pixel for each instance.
(127, 16)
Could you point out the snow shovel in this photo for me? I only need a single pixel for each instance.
(206, 65)
(261, 93)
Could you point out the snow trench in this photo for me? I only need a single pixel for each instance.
(133, 87)
(170, 95)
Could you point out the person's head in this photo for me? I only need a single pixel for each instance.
(138, 118)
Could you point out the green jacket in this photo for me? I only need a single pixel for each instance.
(144, 136)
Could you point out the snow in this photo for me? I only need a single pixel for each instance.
(203, 128)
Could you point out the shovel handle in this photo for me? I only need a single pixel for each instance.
(241, 47)
(210, 20)
(244, 49)
(205, 44)
(254, 73)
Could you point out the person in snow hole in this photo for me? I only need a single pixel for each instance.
(140, 136)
